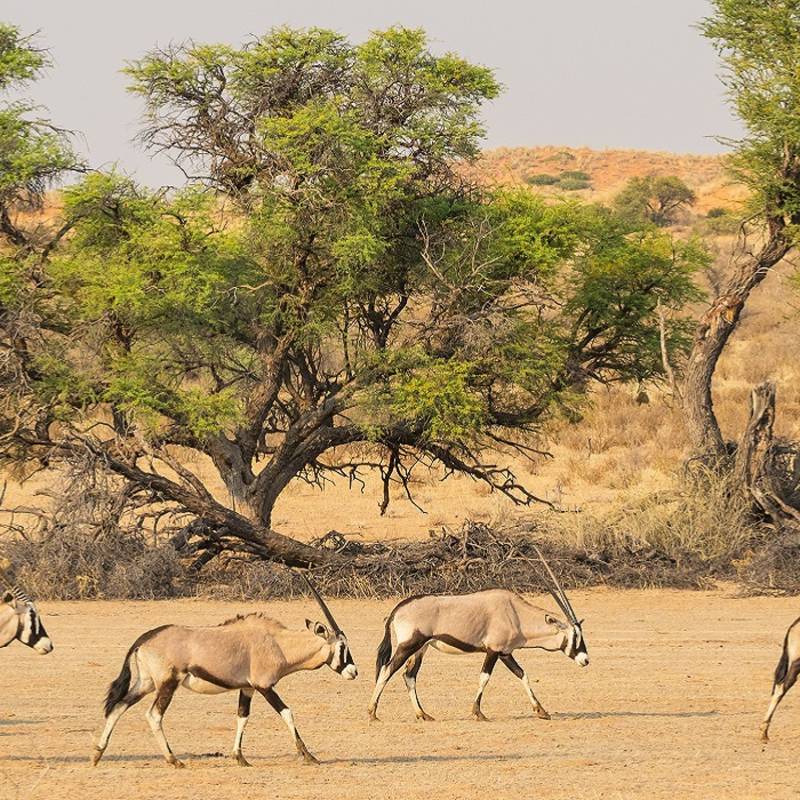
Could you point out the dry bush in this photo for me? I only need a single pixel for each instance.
(680, 537)
(71, 565)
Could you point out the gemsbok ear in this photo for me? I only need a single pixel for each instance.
(9, 598)
(551, 620)
(317, 628)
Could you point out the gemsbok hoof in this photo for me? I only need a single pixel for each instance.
(241, 760)
(542, 714)
(174, 762)
(423, 716)
(310, 760)
(96, 756)
(479, 716)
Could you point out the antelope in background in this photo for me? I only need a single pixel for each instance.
(785, 674)
(250, 653)
(20, 621)
(495, 622)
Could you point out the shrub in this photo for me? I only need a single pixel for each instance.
(716, 212)
(542, 179)
(74, 565)
(577, 174)
(574, 184)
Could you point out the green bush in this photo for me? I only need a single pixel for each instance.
(574, 184)
(543, 179)
(576, 174)
(716, 212)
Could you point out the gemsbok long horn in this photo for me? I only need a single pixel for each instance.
(325, 610)
(560, 597)
(20, 595)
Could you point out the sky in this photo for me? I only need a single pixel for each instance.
(596, 73)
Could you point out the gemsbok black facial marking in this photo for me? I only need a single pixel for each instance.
(20, 621)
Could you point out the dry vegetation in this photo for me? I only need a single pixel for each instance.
(618, 471)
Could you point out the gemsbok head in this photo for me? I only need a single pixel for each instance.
(20, 621)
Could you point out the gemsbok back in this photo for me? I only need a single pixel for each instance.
(785, 674)
(250, 653)
(20, 621)
(495, 622)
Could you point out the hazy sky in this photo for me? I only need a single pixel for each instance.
(602, 73)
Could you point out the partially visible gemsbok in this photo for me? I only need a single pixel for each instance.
(785, 674)
(247, 653)
(20, 622)
(495, 622)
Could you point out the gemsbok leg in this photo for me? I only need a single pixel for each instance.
(410, 677)
(403, 653)
(155, 717)
(486, 673)
(520, 673)
(242, 716)
(139, 690)
(271, 696)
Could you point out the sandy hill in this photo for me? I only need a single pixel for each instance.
(609, 170)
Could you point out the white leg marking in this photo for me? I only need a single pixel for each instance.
(241, 724)
(383, 679)
(154, 718)
(288, 718)
(111, 721)
(482, 681)
(411, 685)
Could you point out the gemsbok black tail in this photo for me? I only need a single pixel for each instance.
(384, 649)
(120, 685)
(783, 664)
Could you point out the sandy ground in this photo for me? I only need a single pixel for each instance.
(669, 707)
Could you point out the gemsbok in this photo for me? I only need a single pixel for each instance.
(20, 621)
(785, 674)
(250, 653)
(495, 622)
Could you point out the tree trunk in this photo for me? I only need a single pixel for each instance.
(711, 336)
(755, 466)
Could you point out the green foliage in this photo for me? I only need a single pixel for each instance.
(716, 212)
(573, 184)
(575, 174)
(654, 199)
(759, 44)
(542, 179)
(20, 61)
(33, 154)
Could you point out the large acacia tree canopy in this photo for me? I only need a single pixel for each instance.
(326, 278)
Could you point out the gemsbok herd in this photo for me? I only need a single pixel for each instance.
(251, 653)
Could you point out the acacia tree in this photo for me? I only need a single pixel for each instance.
(653, 198)
(759, 43)
(326, 295)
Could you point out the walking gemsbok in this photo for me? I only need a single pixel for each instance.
(250, 653)
(20, 621)
(495, 622)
